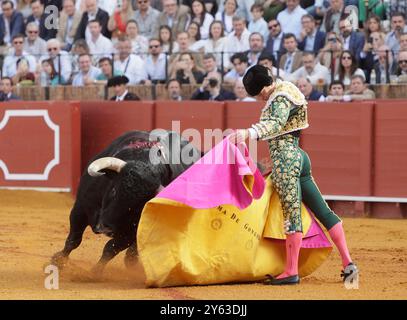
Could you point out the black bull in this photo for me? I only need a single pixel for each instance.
(118, 183)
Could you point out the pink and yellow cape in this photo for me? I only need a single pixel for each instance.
(220, 222)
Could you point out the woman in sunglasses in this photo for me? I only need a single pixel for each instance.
(348, 67)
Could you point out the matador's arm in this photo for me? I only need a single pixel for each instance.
(272, 120)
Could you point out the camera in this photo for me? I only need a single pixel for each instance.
(213, 82)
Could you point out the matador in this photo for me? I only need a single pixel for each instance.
(281, 121)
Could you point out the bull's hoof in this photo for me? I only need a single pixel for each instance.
(59, 260)
(97, 272)
(130, 261)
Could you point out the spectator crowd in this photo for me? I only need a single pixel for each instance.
(344, 45)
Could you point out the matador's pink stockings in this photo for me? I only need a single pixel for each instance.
(338, 237)
(292, 248)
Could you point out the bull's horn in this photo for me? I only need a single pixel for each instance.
(105, 163)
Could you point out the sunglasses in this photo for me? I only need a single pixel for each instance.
(332, 39)
(154, 46)
(402, 61)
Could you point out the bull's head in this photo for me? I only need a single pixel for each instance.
(131, 185)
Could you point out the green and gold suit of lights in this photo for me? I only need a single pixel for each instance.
(281, 119)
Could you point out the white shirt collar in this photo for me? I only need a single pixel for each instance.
(313, 35)
(121, 98)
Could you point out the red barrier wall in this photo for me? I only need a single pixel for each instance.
(104, 121)
(339, 143)
(40, 145)
(199, 115)
(390, 149)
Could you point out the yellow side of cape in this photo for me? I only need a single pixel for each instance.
(179, 245)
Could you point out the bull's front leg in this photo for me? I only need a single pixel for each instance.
(78, 224)
(131, 258)
(111, 249)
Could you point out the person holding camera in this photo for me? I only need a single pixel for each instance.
(212, 90)
(185, 70)
(329, 56)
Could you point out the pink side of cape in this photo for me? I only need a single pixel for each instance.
(217, 178)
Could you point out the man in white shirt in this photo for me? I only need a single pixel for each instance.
(290, 17)
(274, 44)
(238, 40)
(10, 61)
(129, 64)
(146, 17)
(33, 44)
(87, 74)
(93, 12)
(62, 59)
(99, 45)
(240, 64)
(312, 70)
(156, 62)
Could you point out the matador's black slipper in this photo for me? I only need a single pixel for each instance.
(283, 281)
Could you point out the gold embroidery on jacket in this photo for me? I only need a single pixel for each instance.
(275, 119)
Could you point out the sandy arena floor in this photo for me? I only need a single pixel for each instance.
(34, 225)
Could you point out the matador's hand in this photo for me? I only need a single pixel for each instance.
(239, 136)
(287, 226)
